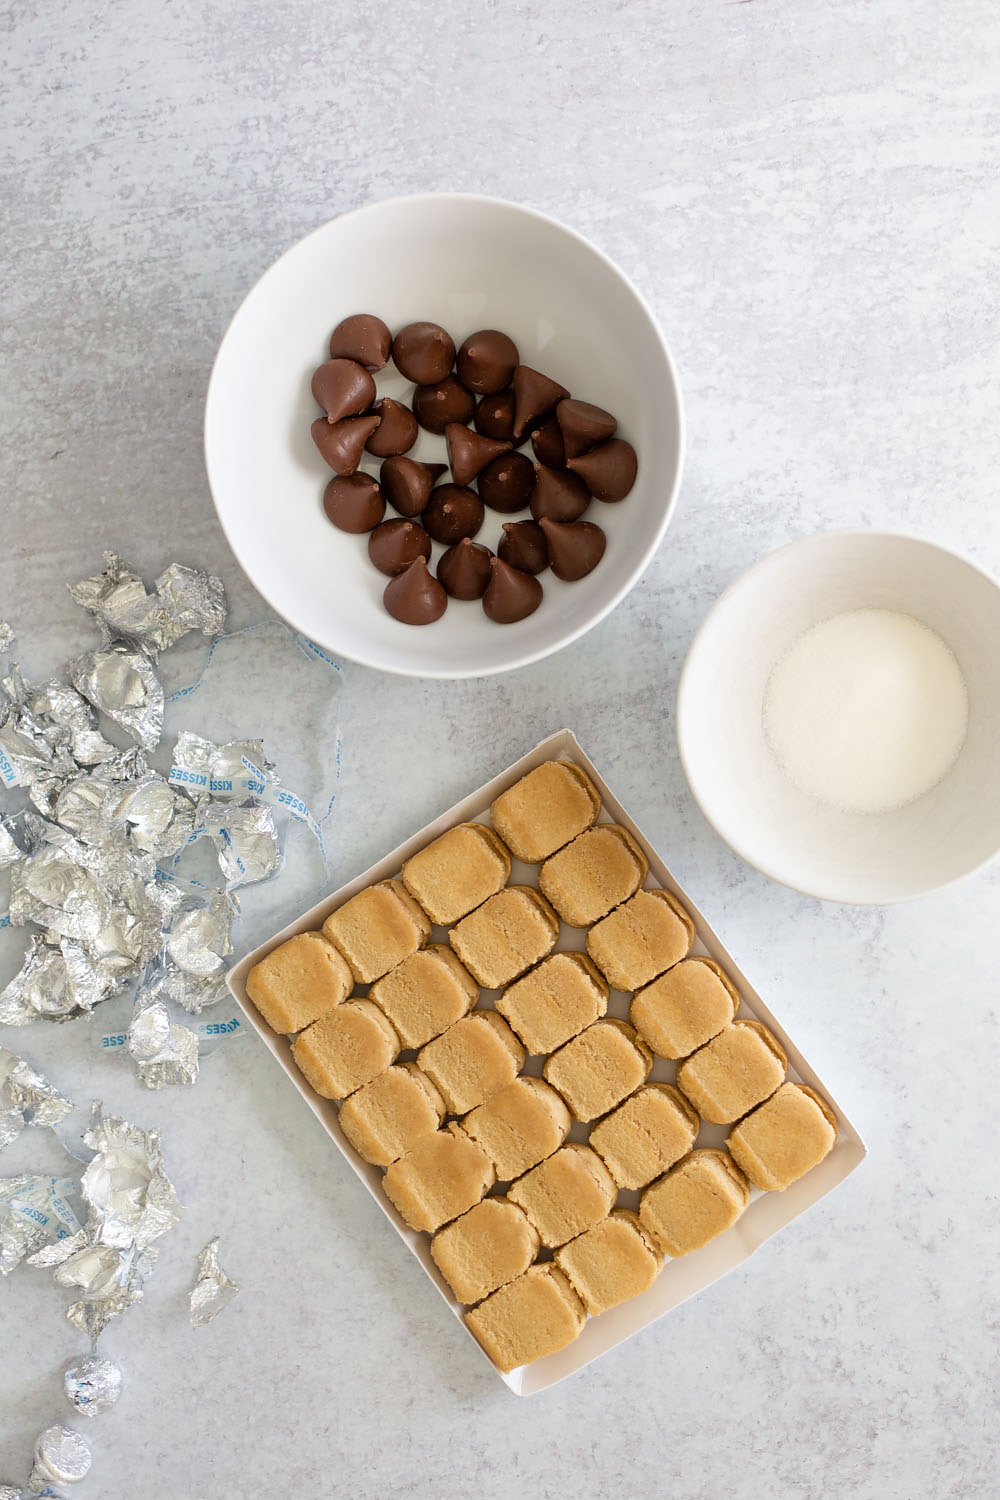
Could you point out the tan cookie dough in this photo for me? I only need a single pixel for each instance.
(555, 1001)
(484, 1249)
(545, 809)
(535, 1315)
(566, 1194)
(684, 1008)
(597, 1069)
(388, 1116)
(299, 981)
(425, 994)
(457, 872)
(345, 1048)
(376, 929)
(472, 1060)
(784, 1138)
(738, 1068)
(439, 1179)
(698, 1199)
(506, 935)
(644, 1136)
(596, 872)
(645, 935)
(611, 1262)
(520, 1126)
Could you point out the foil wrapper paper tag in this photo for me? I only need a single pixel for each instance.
(26, 1098)
(35, 1210)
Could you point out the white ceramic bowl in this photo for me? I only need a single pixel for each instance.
(466, 262)
(837, 856)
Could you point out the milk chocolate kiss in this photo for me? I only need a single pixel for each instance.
(486, 361)
(506, 482)
(510, 595)
(342, 443)
(407, 483)
(396, 432)
(608, 471)
(434, 406)
(584, 425)
(423, 352)
(452, 512)
(415, 597)
(465, 569)
(575, 548)
(534, 396)
(469, 451)
(523, 546)
(362, 337)
(353, 502)
(495, 416)
(394, 544)
(558, 494)
(342, 388)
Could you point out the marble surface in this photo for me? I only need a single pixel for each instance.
(809, 199)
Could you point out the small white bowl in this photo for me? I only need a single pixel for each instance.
(837, 856)
(466, 262)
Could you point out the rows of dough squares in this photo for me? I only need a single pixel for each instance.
(461, 1120)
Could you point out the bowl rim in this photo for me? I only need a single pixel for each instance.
(766, 867)
(643, 559)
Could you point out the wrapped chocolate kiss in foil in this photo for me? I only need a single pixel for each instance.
(92, 1384)
(164, 1052)
(62, 1456)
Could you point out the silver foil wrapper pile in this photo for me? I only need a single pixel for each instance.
(26, 1098)
(94, 862)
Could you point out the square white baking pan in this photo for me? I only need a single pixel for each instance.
(680, 1279)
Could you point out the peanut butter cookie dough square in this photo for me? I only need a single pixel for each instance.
(595, 873)
(535, 1315)
(555, 1001)
(472, 1060)
(346, 1048)
(698, 1199)
(569, 1192)
(737, 1069)
(487, 1247)
(376, 929)
(610, 1263)
(646, 1135)
(784, 1138)
(638, 940)
(506, 935)
(685, 1008)
(442, 1177)
(425, 994)
(545, 809)
(388, 1116)
(457, 872)
(599, 1068)
(299, 981)
(520, 1126)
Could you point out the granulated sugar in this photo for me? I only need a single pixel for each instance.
(867, 710)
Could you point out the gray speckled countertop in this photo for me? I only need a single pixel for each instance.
(809, 200)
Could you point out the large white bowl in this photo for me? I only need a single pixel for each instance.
(466, 262)
(837, 856)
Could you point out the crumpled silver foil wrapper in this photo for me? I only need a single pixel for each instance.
(92, 1385)
(122, 683)
(199, 940)
(6, 636)
(164, 1051)
(130, 1202)
(213, 1290)
(52, 984)
(10, 851)
(26, 1098)
(62, 1456)
(183, 599)
(245, 838)
(35, 1210)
